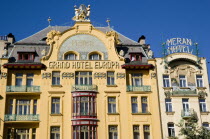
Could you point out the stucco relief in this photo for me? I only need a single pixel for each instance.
(83, 44)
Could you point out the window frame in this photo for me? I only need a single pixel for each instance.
(199, 81)
(136, 131)
(171, 130)
(94, 53)
(166, 81)
(168, 105)
(202, 105)
(75, 56)
(182, 81)
(113, 133)
(112, 105)
(83, 79)
(30, 55)
(134, 105)
(56, 79)
(57, 106)
(146, 131)
(18, 79)
(134, 78)
(110, 78)
(53, 134)
(144, 104)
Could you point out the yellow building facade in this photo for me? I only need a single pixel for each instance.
(79, 82)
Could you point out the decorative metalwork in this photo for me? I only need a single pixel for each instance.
(153, 75)
(189, 113)
(16, 117)
(23, 88)
(3, 75)
(120, 75)
(46, 75)
(68, 75)
(84, 88)
(143, 88)
(100, 75)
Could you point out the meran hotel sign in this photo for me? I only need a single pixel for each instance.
(84, 65)
(179, 45)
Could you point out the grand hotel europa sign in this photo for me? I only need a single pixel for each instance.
(180, 45)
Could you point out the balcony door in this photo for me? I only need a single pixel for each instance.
(23, 107)
(83, 78)
(185, 104)
(137, 79)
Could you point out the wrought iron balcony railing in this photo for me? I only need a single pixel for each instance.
(188, 113)
(143, 88)
(23, 88)
(16, 117)
(84, 88)
(184, 92)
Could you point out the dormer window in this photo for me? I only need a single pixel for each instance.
(70, 56)
(95, 56)
(135, 56)
(25, 56)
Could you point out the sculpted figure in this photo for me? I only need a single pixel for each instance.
(88, 12)
(76, 12)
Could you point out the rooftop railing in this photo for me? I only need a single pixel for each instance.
(143, 88)
(23, 88)
(4, 38)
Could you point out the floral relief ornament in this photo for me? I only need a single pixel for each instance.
(52, 36)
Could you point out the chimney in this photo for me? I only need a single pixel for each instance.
(10, 38)
(142, 40)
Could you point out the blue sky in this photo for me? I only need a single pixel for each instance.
(156, 19)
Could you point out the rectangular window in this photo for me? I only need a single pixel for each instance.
(111, 105)
(22, 107)
(171, 130)
(199, 80)
(205, 124)
(83, 78)
(113, 132)
(35, 106)
(168, 105)
(21, 134)
(55, 106)
(202, 104)
(19, 79)
(34, 133)
(55, 78)
(182, 81)
(134, 104)
(144, 105)
(84, 102)
(146, 131)
(185, 104)
(110, 78)
(137, 79)
(55, 133)
(29, 80)
(136, 132)
(166, 82)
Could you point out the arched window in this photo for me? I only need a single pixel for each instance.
(94, 56)
(70, 56)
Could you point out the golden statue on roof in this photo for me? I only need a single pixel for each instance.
(82, 13)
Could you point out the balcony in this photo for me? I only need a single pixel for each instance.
(188, 114)
(16, 117)
(143, 88)
(84, 88)
(23, 88)
(184, 92)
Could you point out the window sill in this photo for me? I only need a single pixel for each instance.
(205, 113)
(140, 113)
(167, 87)
(170, 113)
(201, 87)
(184, 88)
(56, 85)
(111, 85)
(56, 114)
(113, 113)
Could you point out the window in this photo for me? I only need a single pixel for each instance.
(83, 78)
(111, 105)
(21, 134)
(29, 80)
(144, 105)
(185, 104)
(135, 57)
(19, 79)
(199, 80)
(202, 104)
(84, 132)
(55, 133)
(55, 106)
(113, 132)
(55, 78)
(25, 56)
(110, 78)
(146, 131)
(22, 107)
(166, 82)
(136, 132)
(171, 130)
(168, 105)
(182, 81)
(137, 79)
(95, 56)
(206, 125)
(70, 56)
(134, 104)
(84, 106)
(34, 133)
(10, 106)
(35, 107)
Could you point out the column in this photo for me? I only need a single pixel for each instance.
(14, 106)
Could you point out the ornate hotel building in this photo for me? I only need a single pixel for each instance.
(82, 82)
(183, 91)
